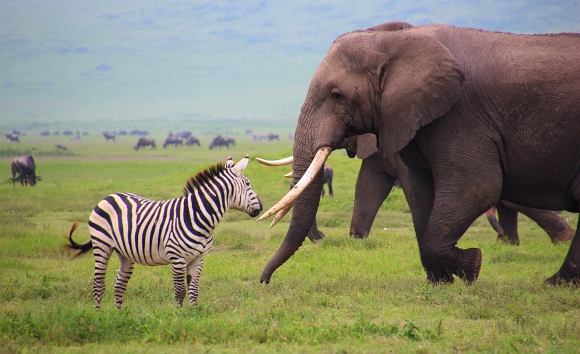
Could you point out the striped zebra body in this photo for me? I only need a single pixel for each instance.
(178, 231)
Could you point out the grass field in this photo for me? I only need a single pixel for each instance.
(337, 296)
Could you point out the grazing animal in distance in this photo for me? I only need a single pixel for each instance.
(61, 147)
(273, 136)
(178, 231)
(192, 140)
(327, 176)
(220, 141)
(109, 136)
(44, 133)
(145, 141)
(185, 134)
(26, 169)
(13, 138)
(173, 140)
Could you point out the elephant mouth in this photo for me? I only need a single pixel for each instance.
(285, 204)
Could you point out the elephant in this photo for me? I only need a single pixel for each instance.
(378, 175)
(476, 116)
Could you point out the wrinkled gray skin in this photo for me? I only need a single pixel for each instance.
(476, 116)
(377, 177)
(314, 234)
(145, 141)
(25, 167)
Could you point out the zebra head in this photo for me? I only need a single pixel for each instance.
(244, 198)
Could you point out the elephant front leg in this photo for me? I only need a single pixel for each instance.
(178, 271)
(193, 274)
(448, 223)
(420, 193)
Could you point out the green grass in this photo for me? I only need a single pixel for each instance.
(340, 295)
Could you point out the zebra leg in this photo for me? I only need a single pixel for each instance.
(123, 276)
(193, 273)
(102, 255)
(178, 270)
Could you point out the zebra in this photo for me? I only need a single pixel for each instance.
(177, 231)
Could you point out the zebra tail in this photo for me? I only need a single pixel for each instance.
(80, 249)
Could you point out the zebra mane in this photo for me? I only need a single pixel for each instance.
(203, 177)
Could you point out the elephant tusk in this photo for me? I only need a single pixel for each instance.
(281, 214)
(315, 167)
(288, 175)
(282, 162)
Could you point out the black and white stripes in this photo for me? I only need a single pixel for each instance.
(178, 231)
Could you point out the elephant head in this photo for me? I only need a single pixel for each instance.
(389, 83)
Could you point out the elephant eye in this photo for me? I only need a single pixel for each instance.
(336, 96)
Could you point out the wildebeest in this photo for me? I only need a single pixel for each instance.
(109, 135)
(222, 141)
(193, 140)
(139, 132)
(273, 136)
(173, 140)
(259, 136)
(44, 133)
(67, 132)
(26, 169)
(185, 134)
(326, 179)
(145, 141)
(13, 138)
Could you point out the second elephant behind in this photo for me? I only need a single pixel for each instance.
(377, 177)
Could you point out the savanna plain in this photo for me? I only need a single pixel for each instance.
(339, 295)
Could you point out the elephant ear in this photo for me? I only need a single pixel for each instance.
(366, 145)
(419, 81)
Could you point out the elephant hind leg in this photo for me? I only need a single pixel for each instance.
(569, 272)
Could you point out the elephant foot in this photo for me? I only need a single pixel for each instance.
(469, 264)
(565, 277)
(315, 235)
(359, 235)
(565, 236)
(439, 277)
(509, 240)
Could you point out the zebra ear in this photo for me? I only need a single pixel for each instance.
(230, 163)
(241, 165)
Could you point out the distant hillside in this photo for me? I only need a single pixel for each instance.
(109, 61)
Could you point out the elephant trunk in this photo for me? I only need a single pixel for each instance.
(304, 213)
